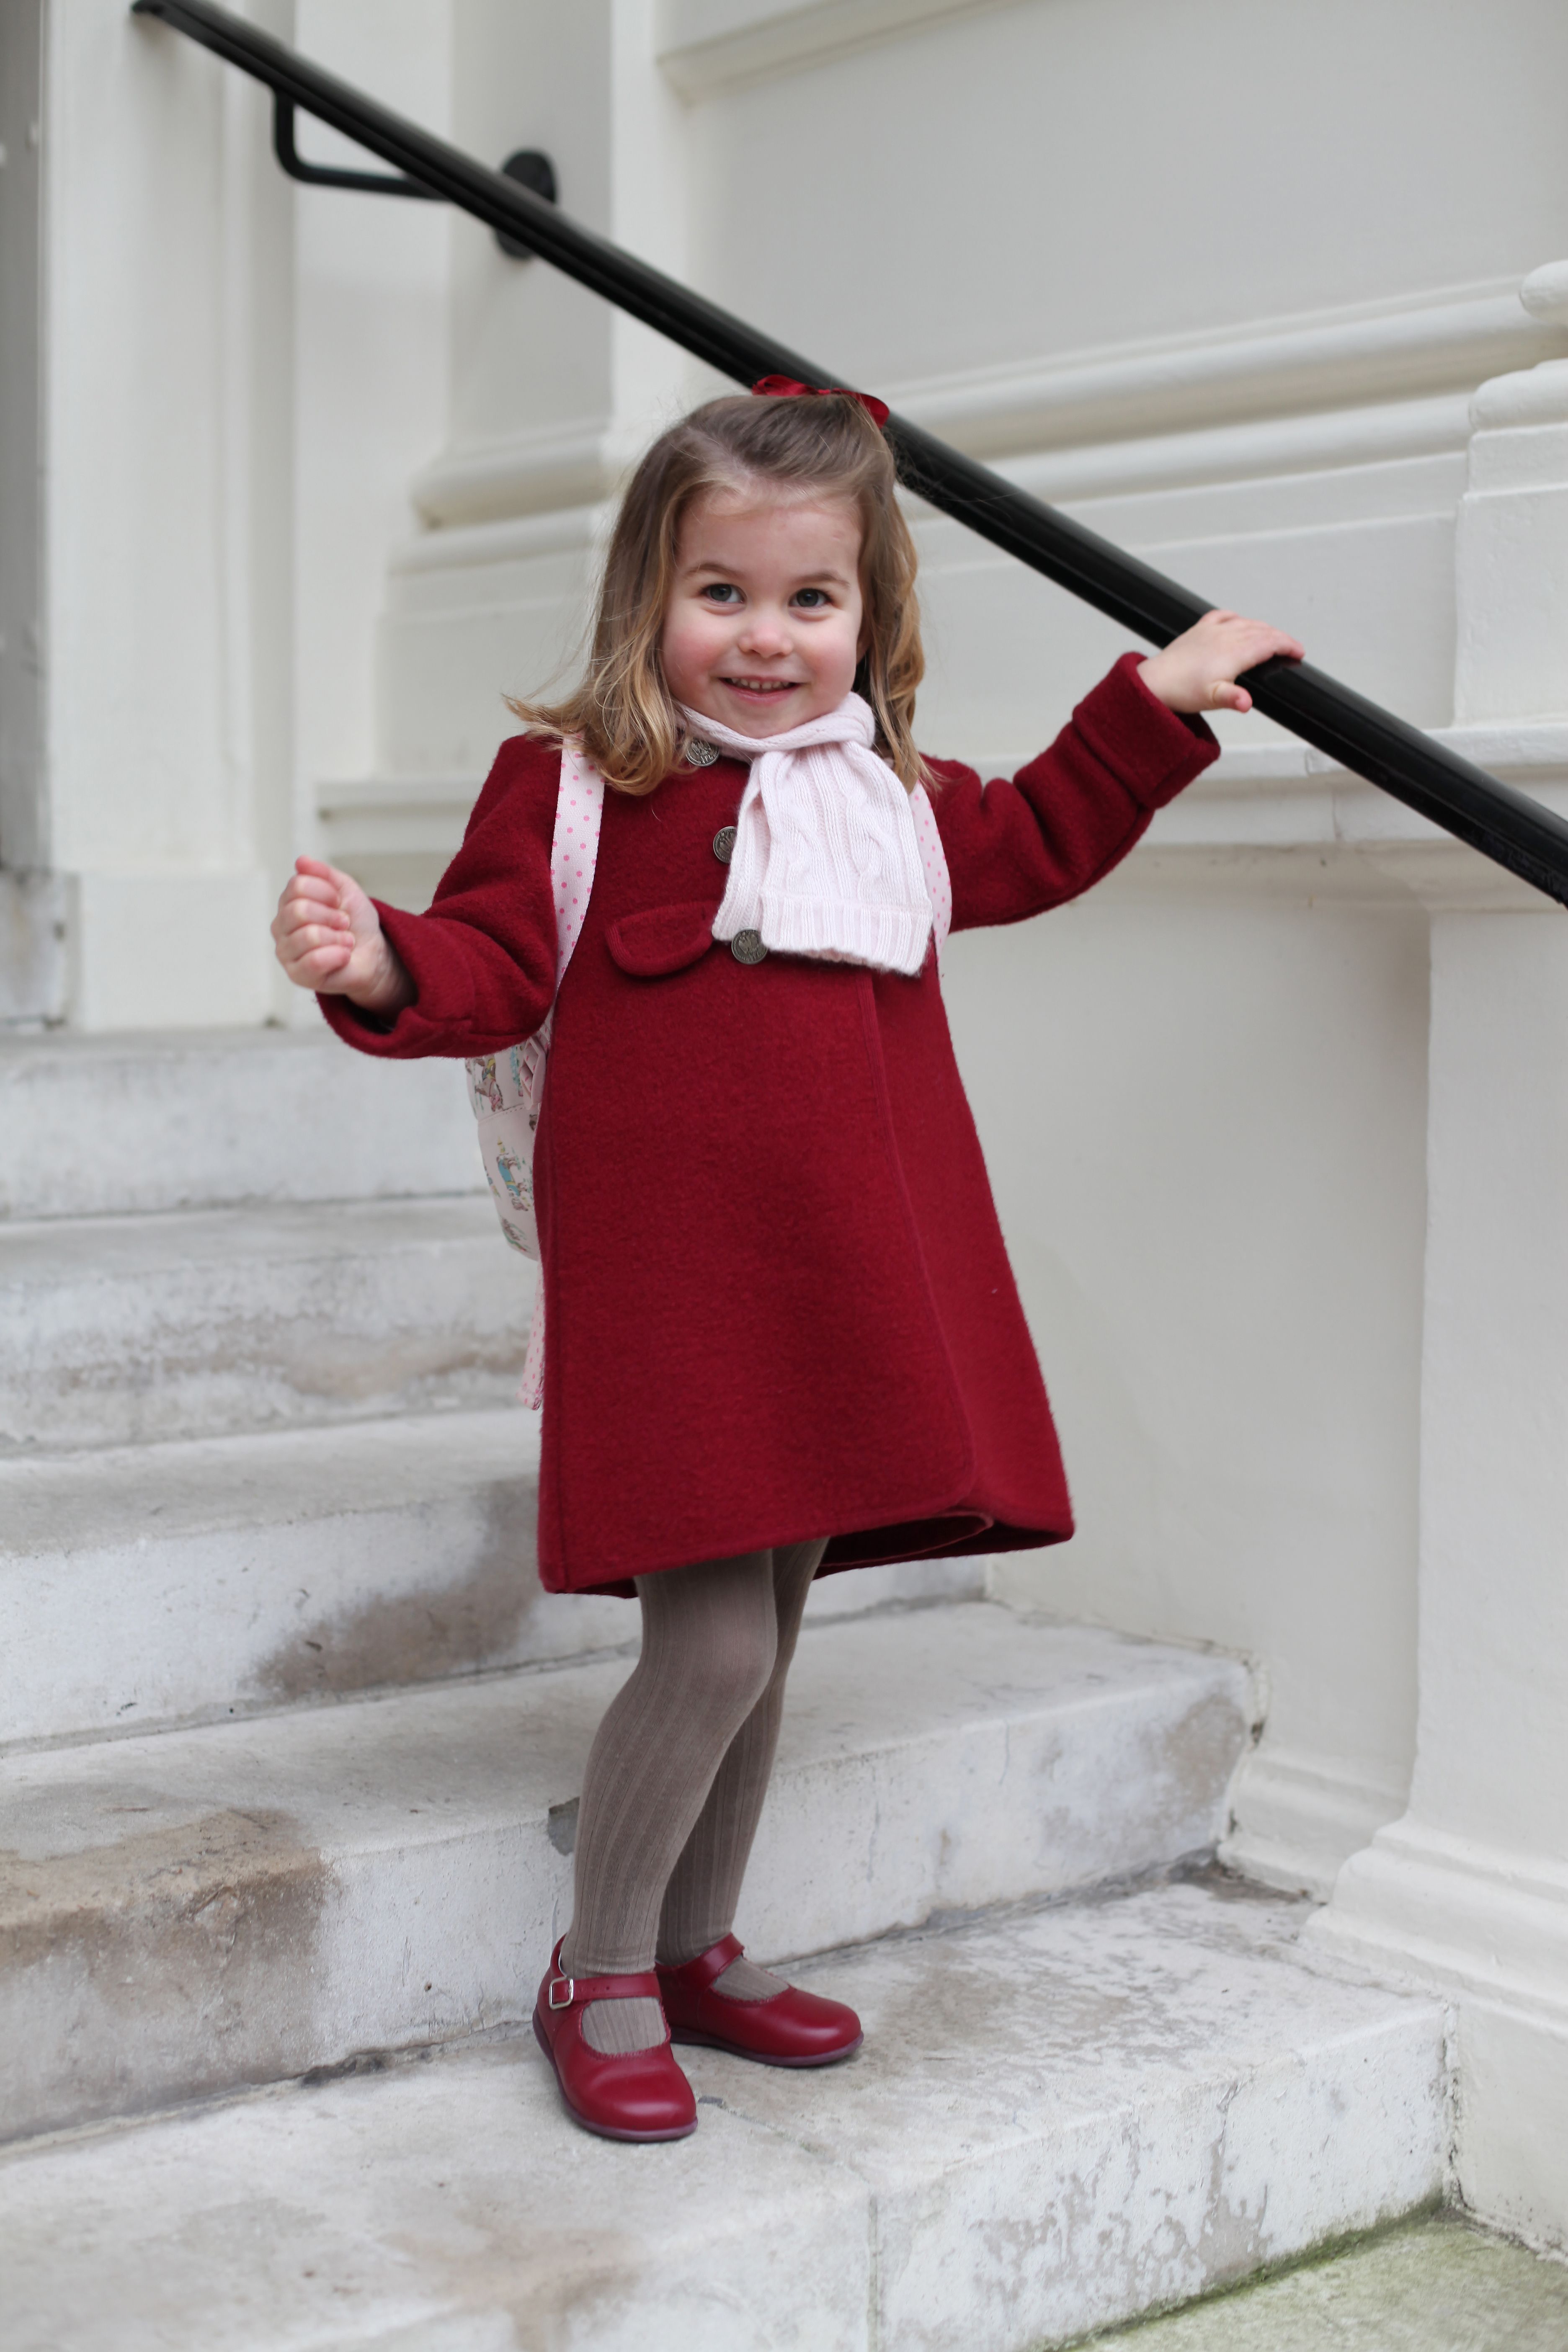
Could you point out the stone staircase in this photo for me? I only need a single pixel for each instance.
(291, 1748)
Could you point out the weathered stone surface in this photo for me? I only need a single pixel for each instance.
(932, 1760)
(124, 1329)
(96, 1126)
(145, 1586)
(1054, 2123)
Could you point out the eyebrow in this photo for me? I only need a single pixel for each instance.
(806, 580)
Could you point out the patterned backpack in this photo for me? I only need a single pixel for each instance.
(506, 1090)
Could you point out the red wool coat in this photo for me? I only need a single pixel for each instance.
(778, 1304)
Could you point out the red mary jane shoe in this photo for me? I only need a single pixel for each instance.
(643, 2095)
(789, 2029)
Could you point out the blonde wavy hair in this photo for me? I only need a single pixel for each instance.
(826, 444)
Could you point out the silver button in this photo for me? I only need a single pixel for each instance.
(746, 947)
(696, 753)
(724, 844)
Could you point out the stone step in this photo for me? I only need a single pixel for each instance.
(195, 1910)
(119, 1330)
(145, 1587)
(1055, 2122)
(209, 1118)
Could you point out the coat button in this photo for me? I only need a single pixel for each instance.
(698, 754)
(746, 947)
(724, 844)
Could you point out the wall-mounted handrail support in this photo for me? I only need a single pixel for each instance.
(1506, 825)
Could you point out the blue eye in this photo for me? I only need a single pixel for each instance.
(811, 597)
(719, 591)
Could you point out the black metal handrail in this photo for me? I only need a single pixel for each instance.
(1506, 825)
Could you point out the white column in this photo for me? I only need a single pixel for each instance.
(166, 424)
(1469, 1889)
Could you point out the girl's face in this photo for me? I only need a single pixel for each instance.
(763, 627)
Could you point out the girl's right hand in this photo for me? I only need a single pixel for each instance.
(329, 939)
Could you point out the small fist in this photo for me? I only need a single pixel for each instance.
(328, 938)
(1198, 670)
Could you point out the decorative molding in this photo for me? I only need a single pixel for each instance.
(1441, 1910)
(1257, 801)
(558, 466)
(1372, 352)
(706, 46)
(1325, 388)
(421, 816)
(1296, 1819)
(516, 540)
(1259, 449)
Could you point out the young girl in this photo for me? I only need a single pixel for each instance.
(783, 1336)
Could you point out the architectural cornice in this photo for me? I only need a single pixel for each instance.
(1344, 387)
(1444, 341)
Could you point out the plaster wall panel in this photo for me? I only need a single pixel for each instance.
(1204, 1117)
(1071, 174)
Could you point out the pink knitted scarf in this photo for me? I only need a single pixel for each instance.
(827, 861)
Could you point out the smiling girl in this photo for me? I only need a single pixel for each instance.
(783, 1336)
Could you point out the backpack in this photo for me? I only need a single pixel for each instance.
(506, 1090)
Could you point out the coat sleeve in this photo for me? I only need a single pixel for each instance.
(483, 959)
(1015, 849)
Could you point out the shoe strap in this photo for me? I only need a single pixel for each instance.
(697, 1975)
(562, 1992)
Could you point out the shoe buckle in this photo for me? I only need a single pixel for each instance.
(571, 1985)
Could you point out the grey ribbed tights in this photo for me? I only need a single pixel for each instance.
(676, 1779)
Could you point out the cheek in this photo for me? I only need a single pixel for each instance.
(846, 650)
(682, 646)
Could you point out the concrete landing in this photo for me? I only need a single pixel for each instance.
(1055, 2122)
(201, 1910)
(1439, 2286)
(120, 1330)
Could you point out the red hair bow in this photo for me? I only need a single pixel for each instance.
(786, 387)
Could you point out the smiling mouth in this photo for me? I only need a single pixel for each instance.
(762, 684)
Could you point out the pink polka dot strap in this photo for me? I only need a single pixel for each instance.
(933, 858)
(579, 809)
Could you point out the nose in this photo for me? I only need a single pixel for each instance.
(763, 633)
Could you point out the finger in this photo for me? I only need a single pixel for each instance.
(319, 964)
(293, 912)
(316, 866)
(313, 886)
(304, 939)
(1272, 642)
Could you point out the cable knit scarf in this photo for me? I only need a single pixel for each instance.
(825, 862)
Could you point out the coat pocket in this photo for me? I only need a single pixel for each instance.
(660, 940)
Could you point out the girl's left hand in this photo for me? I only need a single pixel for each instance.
(1197, 670)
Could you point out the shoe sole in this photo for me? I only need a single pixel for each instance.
(603, 2131)
(694, 2040)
